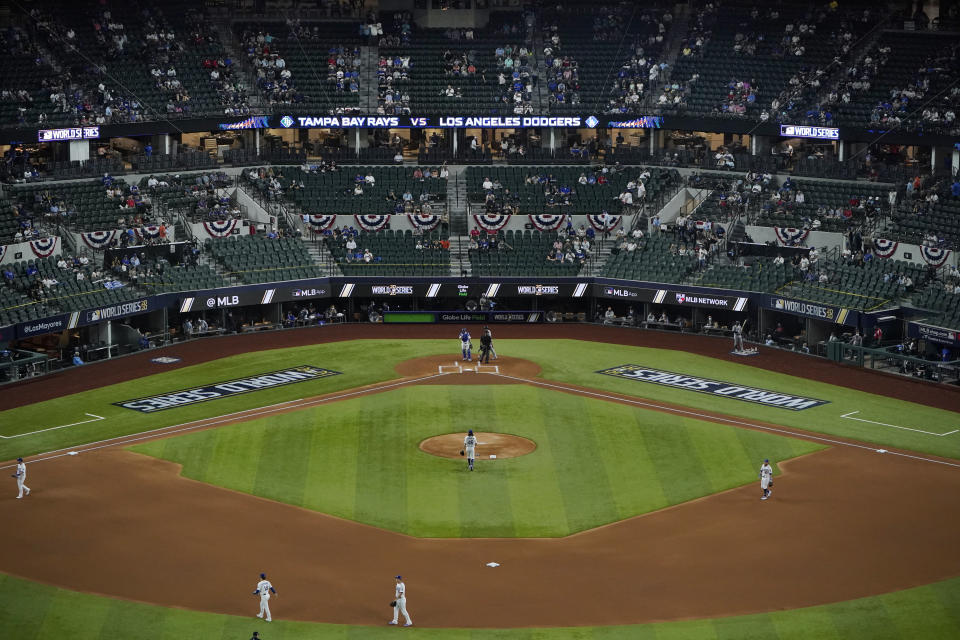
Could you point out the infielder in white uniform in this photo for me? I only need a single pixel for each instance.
(21, 476)
(264, 589)
(737, 336)
(400, 606)
(766, 479)
(469, 447)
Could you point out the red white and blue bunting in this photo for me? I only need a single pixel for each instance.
(372, 222)
(935, 256)
(597, 222)
(149, 232)
(790, 237)
(491, 221)
(45, 247)
(548, 222)
(884, 248)
(319, 224)
(99, 240)
(220, 228)
(424, 221)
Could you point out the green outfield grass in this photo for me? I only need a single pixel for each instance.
(596, 462)
(368, 361)
(577, 361)
(361, 362)
(33, 611)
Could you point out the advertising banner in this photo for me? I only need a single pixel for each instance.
(931, 333)
(675, 297)
(92, 316)
(461, 317)
(811, 310)
(53, 324)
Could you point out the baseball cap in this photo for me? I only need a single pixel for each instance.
(263, 575)
(766, 460)
(19, 459)
(399, 577)
(470, 431)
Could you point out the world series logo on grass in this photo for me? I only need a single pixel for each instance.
(713, 387)
(227, 388)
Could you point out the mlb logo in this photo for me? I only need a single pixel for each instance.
(681, 298)
(779, 303)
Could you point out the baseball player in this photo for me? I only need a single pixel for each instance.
(400, 604)
(21, 476)
(737, 336)
(466, 345)
(469, 446)
(766, 479)
(264, 589)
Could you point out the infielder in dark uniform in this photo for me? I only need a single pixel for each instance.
(486, 346)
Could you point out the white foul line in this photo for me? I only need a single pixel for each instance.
(215, 420)
(714, 418)
(94, 418)
(848, 416)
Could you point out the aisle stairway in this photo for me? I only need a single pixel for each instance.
(459, 256)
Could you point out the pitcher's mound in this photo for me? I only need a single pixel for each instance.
(501, 445)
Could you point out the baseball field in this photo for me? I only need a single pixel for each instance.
(328, 458)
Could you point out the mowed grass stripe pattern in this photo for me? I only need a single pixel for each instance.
(576, 362)
(34, 611)
(361, 362)
(596, 462)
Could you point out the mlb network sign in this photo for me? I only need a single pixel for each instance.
(713, 387)
(819, 133)
(184, 397)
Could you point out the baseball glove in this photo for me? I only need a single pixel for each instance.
(461, 451)
(770, 484)
(393, 603)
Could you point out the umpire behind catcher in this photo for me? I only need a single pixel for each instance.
(486, 346)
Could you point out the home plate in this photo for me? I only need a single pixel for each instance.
(493, 564)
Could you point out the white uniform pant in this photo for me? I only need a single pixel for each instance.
(737, 342)
(401, 608)
(265, 607)
(764, 483)
(21, 487)
(469, 453)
